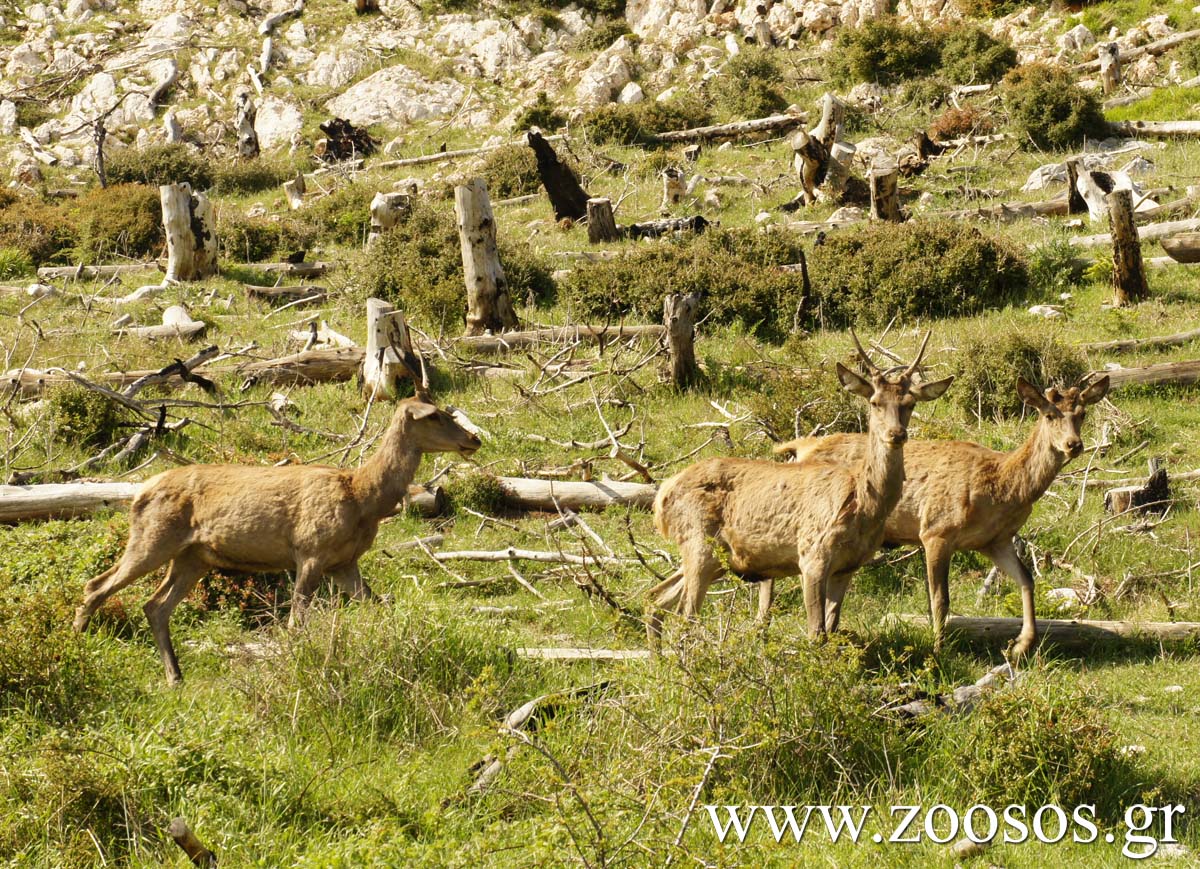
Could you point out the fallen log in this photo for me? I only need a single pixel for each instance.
(513, 554)
(773, 123)
(1179, 373)
(300, 270)
(583, 654)
(72, 500)
(1007, 211)
(1183, 248)
(1155, 492)
(31, 382)
(962, 699)
(1150, 232)
(294, 292)
(452, 155)
(1064, 633)
(308, 366)
(556, 335)
(550, 495)
(1157, 47)
(176, 323)
(1126, 344)
(1155, 129)
(82, 272)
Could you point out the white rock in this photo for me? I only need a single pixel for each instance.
(667, 95)
(847, 214)
(652, 19)
(818, 17)
(8, 118)
(630, 94)
(1156, 27)
(336, 68)
(399, 95)
(732, 46)
(762, 217)
(1142, 71)
(1065, 598)
(1137, 166)
(38, 291)
(296, 34)
(1132, 750)
(25, 58)
(1173, 689)
(1171, 851)
(928, 11)
(856, 12)
(277, 122)
(603, 80)
(868, 95)
(1077, 39)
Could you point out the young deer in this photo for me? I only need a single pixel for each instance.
(315, 520)
(821, 520)
(961, 496)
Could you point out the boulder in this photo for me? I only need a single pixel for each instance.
(631, 93)
(277, 123)
(336, 68)
(603, 80)
(928, 11)
(818, 17)
(28, 58)
(8, 118)
(855, 12)
(653, 19)
(396, 95)
(494, 46)
(1076, 39)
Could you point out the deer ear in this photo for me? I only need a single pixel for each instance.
(1031, 396)
(930, 391)
(1096, 391)
(854, 382)
(420, 411)
(787, 449)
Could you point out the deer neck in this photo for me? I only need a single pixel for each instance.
(1028, 471)
(880, 479)
(382, 481)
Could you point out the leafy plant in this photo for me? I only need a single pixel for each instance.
(542, 113)
(990, 363)
(1048, 108)
(119, 220)
(83, 416)
(14, 263)
(748, 85)
(159, 164)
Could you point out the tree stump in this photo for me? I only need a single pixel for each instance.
(191, 238)
(1129, 276)
(833, 114)
(692, 152)
(762, 30)
(810, 160)
(389, 356)
(1110, 66)
(294, 190)
(885, 191)
(364, 6)
(674, 187)
(388, 209)
(1076, 204)
(602, 226)
(1093, 187)
(1153, 496)
(172, 132)
(245, 114)
(567, 197)
(489, 308)
(837, 174)
(679, 318)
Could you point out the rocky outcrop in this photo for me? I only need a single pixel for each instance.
(277, 123)
(656, 19)
(398, 95)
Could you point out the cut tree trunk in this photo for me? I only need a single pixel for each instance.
(285, 294)
(1126, 344)
(567, 197)
(550, 495)
(1109, 55)
(1155, 129)
(310, 366)
(1179, 373)
(1064, 633)
(389, 357)
(602, 226)
(557, 335)
(1150, 232)
(810, 159)
(837, 173)
(885, 192)
(388, 209)
(191, 233)
(679, 321)
(771, 124)
(299, 270)
(1154, 48)
(828, 129)
(176, 323)
(1183, 248)
(1129, 277)
(1152, 496)
(762, 34)
(294, 190)
(244, 117)
(82, 272)
(489, 308)
(1092, 188)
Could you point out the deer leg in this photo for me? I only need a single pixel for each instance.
(350, 581)
(182, 577)
(937, 573)
(667, 595)
(814, 575)
(766, 597)
(137, 560)
(308, 574)
(1006, 558)
(838, 584)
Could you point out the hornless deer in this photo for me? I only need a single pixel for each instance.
(961, 496)
(821, 520)
(315, 520)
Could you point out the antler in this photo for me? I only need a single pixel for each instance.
(908, 372)
(872, 368)
(422, 388)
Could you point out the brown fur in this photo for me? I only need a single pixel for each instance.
(961, 496)
(315, 520)
(821, 520)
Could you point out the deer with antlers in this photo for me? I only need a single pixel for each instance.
(961, 496)
(762, 520)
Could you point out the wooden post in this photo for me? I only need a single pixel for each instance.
(809, 157)
(679, 318)
(1076, 204)
(191, 239)
(885, 192)
(294, 190)
(602, 226)
(567, 197)
(489, 308)
(388, 209)
(1110, 66)
(837, 174)
(389, 357)
(245, 114)
(674, 187)
(762, 30)
(1129, 277)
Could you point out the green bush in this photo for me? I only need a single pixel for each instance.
(735, 271)
(119, 220)
(159, 164)
(246, 177)
(82, 416)
(884, 50)
(747, 87)
(990, 363)
(1055, 267)
(344, 216)
(14, 263)
(242, 238)
(511, 171)
(542, 114)
(41, 230)
(792, 402)
(1048, 108)
(968, 54)
(479, 490)
(601, 36)
(618, 124)
(919, 269)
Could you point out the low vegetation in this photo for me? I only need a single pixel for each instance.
(1048, 109)
(990, 363)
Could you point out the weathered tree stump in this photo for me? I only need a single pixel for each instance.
(1129, 276)
(885, 191)
(1183, 248)
(388, 209)
(1153, 496)
(1109, 54)
(602, 226)
(833, 114)
(837, 174)
(679, 320)
(186, 839)
(810, 160)
(191, 237)
(762, 30)
(172, 132)
(390, 357)
(1076, 204)
(364, 6)
(567, 197)
(244, 117)
(176, 323)
(1092, 188)
(674, 187)
(294, 190)
(489, 308)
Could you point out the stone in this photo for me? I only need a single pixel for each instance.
(630, 94)
(855, 12)
(928, 11)
(296, 34)
(398, 95)
(277, 123)
(26, 59)
(1076, 39)
(1143, 71)
(336, 68)
(654, 19)
(867, 95)
(8, 118)
(818, 18)
(495, 46)
(603, 80)
(667, 95)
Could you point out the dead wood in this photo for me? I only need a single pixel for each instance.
(567, 196)
(1180, 373)
(1154, 493)
(1126, 344)
(1064, 633)
(771, 124)
(186, 839)
(1155, 48)
(1129, 275)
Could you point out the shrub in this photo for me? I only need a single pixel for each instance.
(991, 8)
(954, 123)
(628, 125)
(14, 263)
(41, 230)
(245, 177)
(967, 55)
(926, 269)
(601, 36)
(1047, 107)
(159, 164)
(479, 490)
(529, 274)
(344, 216)
(884, 50)
(81, 416)
(990, 363)
(242, 238)
(511, 171)
(747, 86)
(120, 220)
(1055, 267)
(736, 271)
(541, 114)
(792, 402)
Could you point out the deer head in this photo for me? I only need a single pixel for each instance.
(890, 395)
(433, 430)
(1061, 413)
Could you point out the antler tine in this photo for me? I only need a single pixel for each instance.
(920, 355)
(423, 388)
(862, 354)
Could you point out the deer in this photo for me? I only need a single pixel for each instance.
(315, 520)
(959, 496)
(761, 519)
